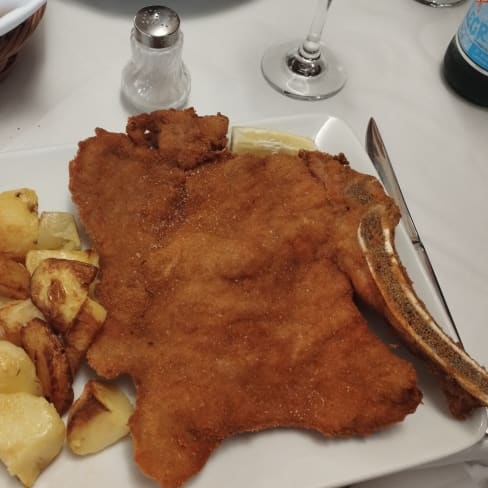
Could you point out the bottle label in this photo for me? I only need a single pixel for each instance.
(473, 34)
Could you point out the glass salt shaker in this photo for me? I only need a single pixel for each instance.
(156, 77)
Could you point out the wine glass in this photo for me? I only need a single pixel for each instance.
(441, 3)
(305, 69)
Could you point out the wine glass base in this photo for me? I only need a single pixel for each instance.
(276, 71)
(441, 3)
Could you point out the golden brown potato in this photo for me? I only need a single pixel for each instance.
(57, 230)
(59, 287)
(17, 371)
(5, 300)
(31, 435)
(80, 335)
(14, 279)
(98, 418)
(19, 222)
(14, 315)
(47, 352)
(34, 257)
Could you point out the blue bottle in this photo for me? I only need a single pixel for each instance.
(465, 65)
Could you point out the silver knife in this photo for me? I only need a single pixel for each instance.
(377, 152)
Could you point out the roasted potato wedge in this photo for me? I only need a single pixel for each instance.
(59, 287)
(47, 352)
(57, 230)
(19, 222)
(98, 418)
(17, 371)
(82, 332)
(14, 315)
(5, 300)
(14, 279)
(31, 435)
(35, 257)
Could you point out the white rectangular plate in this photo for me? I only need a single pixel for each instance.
(281, 458)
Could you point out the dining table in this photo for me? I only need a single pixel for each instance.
(66, 82)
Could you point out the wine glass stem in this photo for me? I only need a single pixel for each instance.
(310, 49)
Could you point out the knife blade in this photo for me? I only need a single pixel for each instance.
(376, 150)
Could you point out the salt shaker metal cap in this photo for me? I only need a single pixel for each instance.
(156, 26)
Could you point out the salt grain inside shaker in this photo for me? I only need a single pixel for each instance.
(156, 77)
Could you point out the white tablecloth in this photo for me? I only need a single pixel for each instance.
(66, 83)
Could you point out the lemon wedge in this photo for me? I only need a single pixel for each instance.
(265, 141)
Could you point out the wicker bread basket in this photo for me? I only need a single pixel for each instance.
(12, 42)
